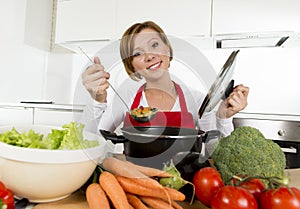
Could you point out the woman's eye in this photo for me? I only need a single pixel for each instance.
(154, 45)
(136, 54)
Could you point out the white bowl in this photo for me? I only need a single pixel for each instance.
(42, 175)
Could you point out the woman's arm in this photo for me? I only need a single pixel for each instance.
(92, 115)
(210, 121)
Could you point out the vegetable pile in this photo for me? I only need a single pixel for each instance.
(248, 173)
(247, 152)
(69, 137)
(244, 192)
(123, 185)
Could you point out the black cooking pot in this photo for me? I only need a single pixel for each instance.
(154, 146)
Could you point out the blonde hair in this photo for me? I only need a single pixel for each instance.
(126, 45)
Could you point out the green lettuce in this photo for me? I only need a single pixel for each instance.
(69, 137)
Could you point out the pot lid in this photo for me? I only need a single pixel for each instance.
(222, 86)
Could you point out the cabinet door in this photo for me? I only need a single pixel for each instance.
(176, 17)
(235, 16)
(85, 20)
(16, 115)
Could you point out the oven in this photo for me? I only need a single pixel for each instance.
(286, 133)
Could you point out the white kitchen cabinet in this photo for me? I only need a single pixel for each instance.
(106, 20)
(176, 17)
(81, 20)
(16, 115)
(235, 16)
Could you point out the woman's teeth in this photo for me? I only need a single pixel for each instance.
(153, 67)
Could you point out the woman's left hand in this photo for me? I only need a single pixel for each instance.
(234, 103)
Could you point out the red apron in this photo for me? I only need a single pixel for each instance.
(179, 119)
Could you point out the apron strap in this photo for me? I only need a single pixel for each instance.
(181, 98)
(137, 99)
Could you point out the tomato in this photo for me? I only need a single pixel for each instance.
(6, 197)
(280, 198)
(233, 197)
(207, 182)
(254, 186)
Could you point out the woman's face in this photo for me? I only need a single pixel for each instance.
(151, 56)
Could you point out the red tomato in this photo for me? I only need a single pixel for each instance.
(281, 198)
(6, 197)
(207, 182)
(234, 198)
(254, 186)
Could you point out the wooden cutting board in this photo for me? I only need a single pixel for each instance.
(78, 201)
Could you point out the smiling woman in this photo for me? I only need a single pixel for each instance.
(146, 54)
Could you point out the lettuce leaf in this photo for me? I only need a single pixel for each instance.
(69, 137)
(73, 138)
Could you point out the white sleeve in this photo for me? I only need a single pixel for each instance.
(91, 116)
(225, 126)
(210, 121)
(113, 116)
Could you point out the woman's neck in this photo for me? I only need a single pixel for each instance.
(163, 84)
(161, 94)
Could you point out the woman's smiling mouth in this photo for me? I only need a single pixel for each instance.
(155, 66)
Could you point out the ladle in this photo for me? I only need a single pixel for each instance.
(142, 119)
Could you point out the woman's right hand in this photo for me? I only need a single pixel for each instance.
(94, 78)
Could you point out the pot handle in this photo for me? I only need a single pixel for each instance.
(113, 137)
(205, 137)
(213, 134)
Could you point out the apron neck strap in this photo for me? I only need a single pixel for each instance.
(138, 96)
(137, 99)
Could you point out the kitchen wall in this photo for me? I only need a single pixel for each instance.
(30, 71)
(271, 74)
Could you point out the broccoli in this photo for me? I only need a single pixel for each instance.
(247, 152)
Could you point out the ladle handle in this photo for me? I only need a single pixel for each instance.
(111, 86)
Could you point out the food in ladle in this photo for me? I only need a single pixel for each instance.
(143, 112)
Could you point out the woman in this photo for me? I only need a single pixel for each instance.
(146, 53)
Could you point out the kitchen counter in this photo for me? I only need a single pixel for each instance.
(77, 200)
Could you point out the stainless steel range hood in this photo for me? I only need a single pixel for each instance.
(248, 40)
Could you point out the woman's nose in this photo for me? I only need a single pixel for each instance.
(149, 56)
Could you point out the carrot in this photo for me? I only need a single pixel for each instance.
(120, 167)
(176, 205)
(113, 190)
(148, 171)
(135, 187)
(96, 197)
(175, 194)
(156, 203)
(135, 201)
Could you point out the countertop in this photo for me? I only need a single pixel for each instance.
(77, 200)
